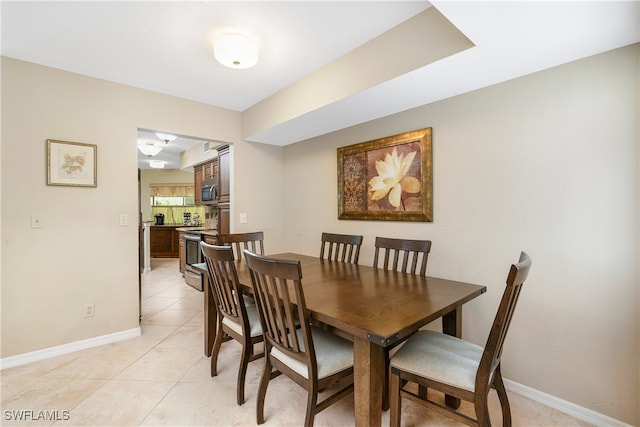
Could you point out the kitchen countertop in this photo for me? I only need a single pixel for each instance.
(199, 230)
(187, 229)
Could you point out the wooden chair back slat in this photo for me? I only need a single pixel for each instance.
(413, 253)
(253, 241)
(340, 247)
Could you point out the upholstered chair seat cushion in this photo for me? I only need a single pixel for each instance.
(441, 357)
(333, 354)
(254, 322)
(248, 299)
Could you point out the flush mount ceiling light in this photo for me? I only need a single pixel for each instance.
(156, 164)
(166, 137)
(149, 148)
(236, 50)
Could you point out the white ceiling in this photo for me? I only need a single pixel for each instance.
(166, 47)
(171, 150)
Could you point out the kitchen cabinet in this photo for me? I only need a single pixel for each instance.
(224, 166)
(181, 251)
(220, 170)
(210, 169)
(224, 218)
(198, 173)
(204, 171)
(164, 241)
(224, 190)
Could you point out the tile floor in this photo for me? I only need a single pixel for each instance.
(162, 379)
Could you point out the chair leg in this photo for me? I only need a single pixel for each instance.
(487, 420)
(395, 401)
(312, 400)
(482, 408)
(422, 392)
(262, 390)
(216, 348)
(242, 372)
(504, 400)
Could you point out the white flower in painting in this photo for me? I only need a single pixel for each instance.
(391, 178)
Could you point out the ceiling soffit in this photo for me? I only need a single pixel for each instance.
(421, 40)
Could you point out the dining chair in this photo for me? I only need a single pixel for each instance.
(315, 359)
(236, 319)
(341, 247)
(387, 255)
(254, 241)
(456, 367)
(413, 253)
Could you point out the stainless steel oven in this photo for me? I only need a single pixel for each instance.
(193, 255)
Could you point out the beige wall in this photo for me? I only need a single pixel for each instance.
(547, 164)
(258, 189)
(81, 255)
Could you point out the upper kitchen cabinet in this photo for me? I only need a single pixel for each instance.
(224, 165)
(210, 169)
(207, 171)
(198, 177)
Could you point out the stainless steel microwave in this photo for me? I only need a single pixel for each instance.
(209, 192)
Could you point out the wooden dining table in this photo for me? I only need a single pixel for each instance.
(374, 308)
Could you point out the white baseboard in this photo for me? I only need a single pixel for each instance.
(576, 411)
(23, 359)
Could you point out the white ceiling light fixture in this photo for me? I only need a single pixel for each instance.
(236, 50)
(156, 164)
(149, 148)
(166, 137)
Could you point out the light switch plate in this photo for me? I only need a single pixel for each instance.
(124, 219)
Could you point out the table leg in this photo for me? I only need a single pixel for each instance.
(452, 325)
(368, 380)
(210, 317)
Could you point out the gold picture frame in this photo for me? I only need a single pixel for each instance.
(71, 163)
(387, 179)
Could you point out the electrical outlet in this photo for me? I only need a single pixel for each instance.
(243, 218)
(89, 310)
(124, 219)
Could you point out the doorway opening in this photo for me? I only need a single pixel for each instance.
(172, 152)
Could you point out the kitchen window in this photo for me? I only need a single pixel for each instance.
(174, 201)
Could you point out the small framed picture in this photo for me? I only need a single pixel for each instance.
(71, 164)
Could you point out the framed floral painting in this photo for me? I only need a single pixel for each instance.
(387, 179)
(71, 164)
